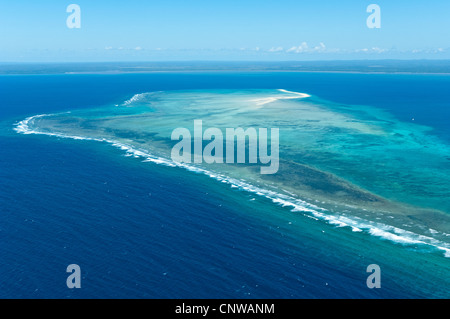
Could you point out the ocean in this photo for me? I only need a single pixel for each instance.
(140, 228)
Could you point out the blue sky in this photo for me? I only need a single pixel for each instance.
(137, 30)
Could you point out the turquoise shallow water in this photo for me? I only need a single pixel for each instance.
(354, 166)
(356, 185)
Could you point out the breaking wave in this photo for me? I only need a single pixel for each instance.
(356, 224)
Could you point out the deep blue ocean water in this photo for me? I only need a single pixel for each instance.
(144, 230)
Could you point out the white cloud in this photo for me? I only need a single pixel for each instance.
(320, 48)
(427, 51)
(305, 48)
(277, 49)
(378, 50)
(371, 50)
(138, 48)
(301, 48)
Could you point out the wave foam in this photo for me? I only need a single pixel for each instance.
(136, 98)
(356, 224)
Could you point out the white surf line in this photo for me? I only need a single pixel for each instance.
(135, 98)
(273, 98)
(23, 128)
(390, 233)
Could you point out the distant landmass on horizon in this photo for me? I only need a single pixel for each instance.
(351, 66)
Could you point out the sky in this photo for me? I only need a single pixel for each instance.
(169, 30)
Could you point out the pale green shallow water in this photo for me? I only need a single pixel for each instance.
(354, 166)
